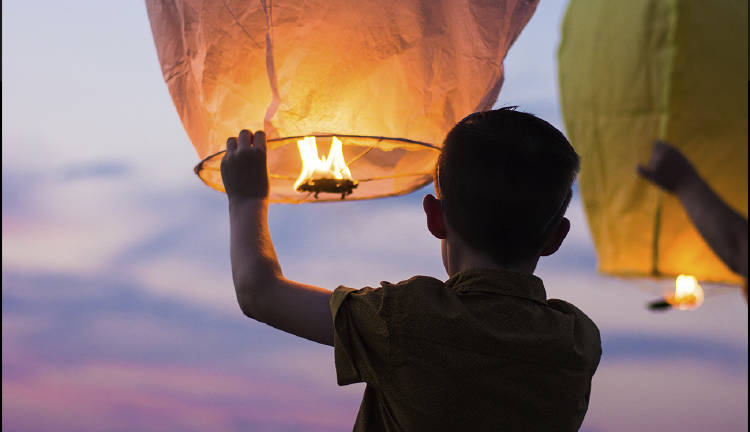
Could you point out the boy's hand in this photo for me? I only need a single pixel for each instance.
(243, 167)
(668, 168)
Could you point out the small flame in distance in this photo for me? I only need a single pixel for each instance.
(687, 294)
(313, 167)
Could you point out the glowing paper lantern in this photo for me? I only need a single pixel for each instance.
(637, 70)
(388, 79)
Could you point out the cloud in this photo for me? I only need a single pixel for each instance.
(97, 169)
(186, 280)
(15, 189)
(96, 224)
(96, 353)
(628, 346)
(678, 394)
(74, 246)
(74, 227)
(117, 396)
(72, 311)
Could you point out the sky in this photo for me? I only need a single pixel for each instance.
(118, 310)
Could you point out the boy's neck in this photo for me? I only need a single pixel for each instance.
(457, 258)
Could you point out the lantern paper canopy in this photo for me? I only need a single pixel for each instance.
(388, 79)
(634, 71)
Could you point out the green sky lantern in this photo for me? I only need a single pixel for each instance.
(634, 71)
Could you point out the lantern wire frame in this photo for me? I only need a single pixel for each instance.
(380, 166)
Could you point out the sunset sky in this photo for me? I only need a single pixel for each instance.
(118, 310)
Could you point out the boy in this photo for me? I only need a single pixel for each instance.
(483, 351)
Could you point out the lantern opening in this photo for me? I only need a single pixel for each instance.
(377, 167)
(323, 174)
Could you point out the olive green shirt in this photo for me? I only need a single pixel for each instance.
(485, 350)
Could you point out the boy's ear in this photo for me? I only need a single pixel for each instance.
(556, 238)
(434, 212)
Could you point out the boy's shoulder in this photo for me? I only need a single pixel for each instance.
(408, 285)
(571, 309)
(584, 329)
(566, 307)
(382, 299)
(412, 294)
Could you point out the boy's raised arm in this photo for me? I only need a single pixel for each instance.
(262, 291)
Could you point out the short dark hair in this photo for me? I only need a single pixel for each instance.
(504, 179)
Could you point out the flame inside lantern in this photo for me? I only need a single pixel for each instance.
(323, 174)
(687, 294)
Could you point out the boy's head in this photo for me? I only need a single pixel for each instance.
(504, 181)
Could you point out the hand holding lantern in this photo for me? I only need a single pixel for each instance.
(667, 168)
(243, 168)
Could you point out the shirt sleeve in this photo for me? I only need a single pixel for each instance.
(360, 335)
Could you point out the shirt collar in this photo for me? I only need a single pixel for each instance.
(499, 281)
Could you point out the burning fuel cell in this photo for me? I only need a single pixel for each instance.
(325, 174)
(687, 295)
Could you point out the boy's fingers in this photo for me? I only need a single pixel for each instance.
(245, 138)
(259, 141)
(231, 145)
